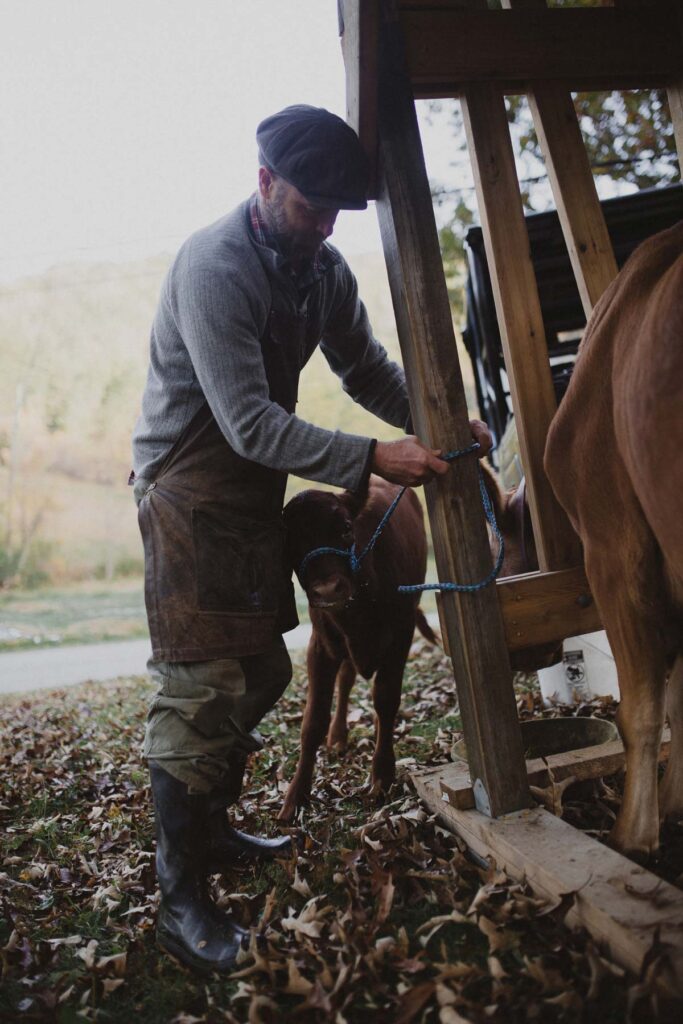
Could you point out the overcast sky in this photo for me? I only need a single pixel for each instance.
(127, 124)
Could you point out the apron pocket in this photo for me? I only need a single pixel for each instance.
(238, 562)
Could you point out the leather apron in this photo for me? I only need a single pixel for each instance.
(216, 583)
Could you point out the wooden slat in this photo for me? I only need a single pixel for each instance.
(581, 47)
(583, 223)
(358, 25)
(542, 608)
(627, 909)
(519, 313)
(473, 621)
(586, 763)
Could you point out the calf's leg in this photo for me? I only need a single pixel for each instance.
(671, 789)
(322, 670)
(386, 696)
(339, 730)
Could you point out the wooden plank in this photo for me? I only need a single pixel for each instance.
(581, 47)
(583, 223)
(627, 909)
(519, 313)
(586, 763)
(473, 621)
(541, 608)
(358, 28)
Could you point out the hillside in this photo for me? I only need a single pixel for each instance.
(73, 346)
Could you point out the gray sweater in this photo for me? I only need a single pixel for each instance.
(205, 347)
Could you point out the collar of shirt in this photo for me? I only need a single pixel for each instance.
(311, 271)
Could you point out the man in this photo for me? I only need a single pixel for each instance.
(246, 302)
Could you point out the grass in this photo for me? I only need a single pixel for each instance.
(87, 612)
(94, 611)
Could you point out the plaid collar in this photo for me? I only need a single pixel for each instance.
(311, 271)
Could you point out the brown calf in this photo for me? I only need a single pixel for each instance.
(361, 624)
(615, 459)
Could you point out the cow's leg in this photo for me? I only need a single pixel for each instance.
(641, 669)
(322, 669)
(339, 730)
(671, 790)
(386, 697)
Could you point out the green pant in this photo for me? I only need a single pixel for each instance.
(201, 721)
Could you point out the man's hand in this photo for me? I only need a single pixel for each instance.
(482, 434)
(410, 463)
(407, 462)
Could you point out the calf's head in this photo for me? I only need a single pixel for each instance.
(514, 522)
(323, 519)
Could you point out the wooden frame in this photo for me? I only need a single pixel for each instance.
(627, 909)
(431, 48)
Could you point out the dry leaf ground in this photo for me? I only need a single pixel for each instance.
(382, 918)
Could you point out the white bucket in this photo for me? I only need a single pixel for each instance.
(587, 670)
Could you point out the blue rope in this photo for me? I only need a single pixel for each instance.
(355, 560)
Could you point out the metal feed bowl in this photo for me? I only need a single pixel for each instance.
(546, 736)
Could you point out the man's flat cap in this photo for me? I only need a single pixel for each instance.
(318, 153)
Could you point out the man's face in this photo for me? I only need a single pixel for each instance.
(300, 228)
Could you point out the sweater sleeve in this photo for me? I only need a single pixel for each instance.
(219, 324)
(360, 361)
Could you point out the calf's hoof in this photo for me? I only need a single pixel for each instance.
(337, 740)
(291, 807)
(378, 789)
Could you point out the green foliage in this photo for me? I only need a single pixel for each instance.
(24, 566)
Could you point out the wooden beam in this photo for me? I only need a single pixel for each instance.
(581, 47)
(586, 763)
(628, 910)
(519, 313)
(358, 27)
(416, 277)
(583, 223)
(542, 608)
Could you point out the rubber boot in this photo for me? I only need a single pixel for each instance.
(228, 846)
(189, 924)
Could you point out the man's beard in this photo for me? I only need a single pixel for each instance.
(295, 245)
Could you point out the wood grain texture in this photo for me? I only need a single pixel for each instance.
(360, 19)
(586, 763)
(473, 621)
(627, 909)
(542, 608)
(519, 313)
(581, 47)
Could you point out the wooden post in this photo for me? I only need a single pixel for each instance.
(571, 179)
(358, 27)
(423, 315)
(519, 313)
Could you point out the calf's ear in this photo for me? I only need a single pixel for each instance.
(355, 500)
(495, 492)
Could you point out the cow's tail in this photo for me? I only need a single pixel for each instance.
(424, 627)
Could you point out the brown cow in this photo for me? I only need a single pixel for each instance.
(615, 459)
(361, 624)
